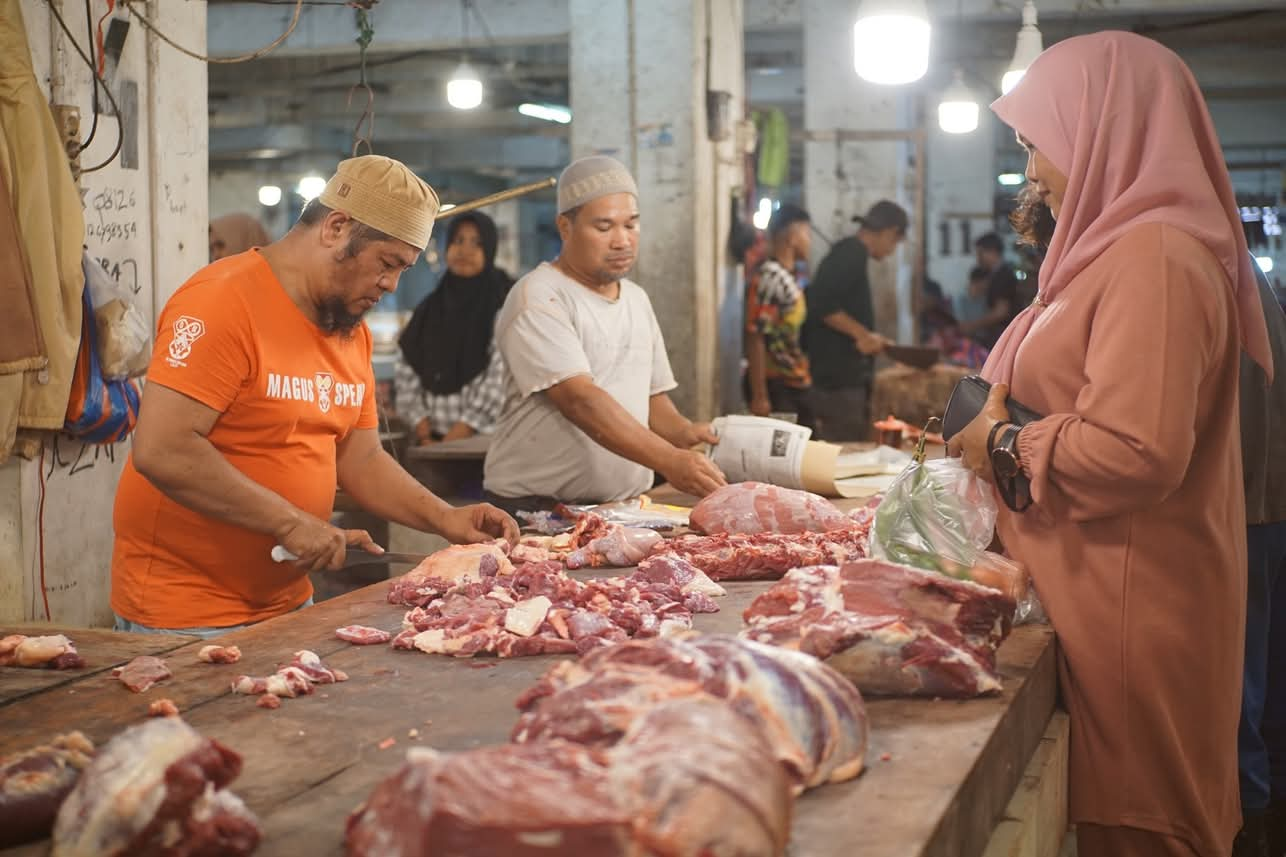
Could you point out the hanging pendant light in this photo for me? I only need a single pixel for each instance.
(1026, 50)
(891, 41)
(464, 89)
(958, 111)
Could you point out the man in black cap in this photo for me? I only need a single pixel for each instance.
(839, 333)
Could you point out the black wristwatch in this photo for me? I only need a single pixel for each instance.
(1004, 455)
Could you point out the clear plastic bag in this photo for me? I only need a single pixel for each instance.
(937, 516)
(122, 333)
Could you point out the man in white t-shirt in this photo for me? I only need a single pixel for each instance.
(587, 417)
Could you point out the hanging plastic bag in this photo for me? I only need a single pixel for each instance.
(123, 338)
(937, 515)
(98, 411)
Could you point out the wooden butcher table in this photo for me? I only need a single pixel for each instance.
(944, 778)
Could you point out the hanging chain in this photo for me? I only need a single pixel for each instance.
(365, 32)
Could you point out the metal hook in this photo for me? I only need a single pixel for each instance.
(918, 457)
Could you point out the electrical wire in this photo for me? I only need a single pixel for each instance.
(40, 532)
(89, 30)
(294, 19)
(120, 122)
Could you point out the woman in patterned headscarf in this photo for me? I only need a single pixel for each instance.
(1135, 533)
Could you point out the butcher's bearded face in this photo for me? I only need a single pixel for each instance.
(601, 237)
(364, 270)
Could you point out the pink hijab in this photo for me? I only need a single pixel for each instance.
(1122, 117)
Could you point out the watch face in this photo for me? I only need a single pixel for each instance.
(1004, 463)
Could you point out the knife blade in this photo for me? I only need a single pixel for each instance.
(356, 556)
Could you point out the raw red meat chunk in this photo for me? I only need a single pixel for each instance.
(756, 507)
(142, 672)
(157, 789)
(34, 783)
(768, 555)
(690, 778)
(813, 719)
(891, 629)
(539, 609)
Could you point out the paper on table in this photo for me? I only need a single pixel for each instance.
(759, 449)
(766, 450)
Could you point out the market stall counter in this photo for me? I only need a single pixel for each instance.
(940, 773)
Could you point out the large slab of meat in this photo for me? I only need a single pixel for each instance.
(158, 788)
(447, 568)
(539, 609)
(34, 783)
(891, 629)
(756, 507)
(690, 778)
(768, 555)
(54, 652)
(813, 718)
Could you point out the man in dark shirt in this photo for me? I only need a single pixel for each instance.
(1261, 738)
(839, 333)
(1002, 292)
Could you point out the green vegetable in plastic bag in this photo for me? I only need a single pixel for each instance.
(936, 515)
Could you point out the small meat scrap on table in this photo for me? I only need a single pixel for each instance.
(538, 609)
(162, 708)
(362, 635)
(34, 783)
(756, 507)
(689, 777)
(813, 718)
(142, 672)
(54, 652)
(761, 556)
(155, 785)
(891, 629)
(291, 680)
(219, 654)
(616, 547)
(449, 567)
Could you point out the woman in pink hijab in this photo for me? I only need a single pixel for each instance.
(1135, 532)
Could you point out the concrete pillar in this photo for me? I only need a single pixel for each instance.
(639, 77)
(961, 193)
(859, 148)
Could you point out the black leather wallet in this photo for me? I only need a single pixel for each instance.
(966, 401)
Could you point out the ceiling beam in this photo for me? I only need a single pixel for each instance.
(235, 28)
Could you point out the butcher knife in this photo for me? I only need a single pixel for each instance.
(356, 556)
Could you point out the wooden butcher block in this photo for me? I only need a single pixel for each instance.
(939, 772)
(101, 649)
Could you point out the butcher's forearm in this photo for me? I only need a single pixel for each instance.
(197, 476)
(664, 419)
(845, 324)
(609, 425)
(382, 487)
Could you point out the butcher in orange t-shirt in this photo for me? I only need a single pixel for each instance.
(259, 400)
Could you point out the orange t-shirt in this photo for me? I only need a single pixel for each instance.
(286, 392)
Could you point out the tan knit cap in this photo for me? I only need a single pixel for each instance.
(385, 195)
(589, 178)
